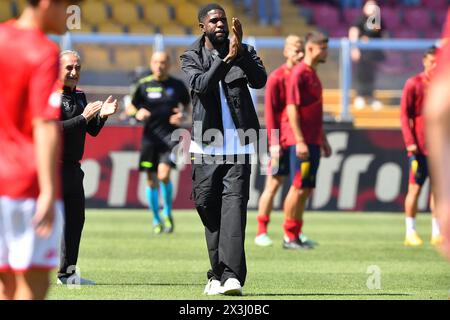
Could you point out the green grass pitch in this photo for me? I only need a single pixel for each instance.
(119, 252)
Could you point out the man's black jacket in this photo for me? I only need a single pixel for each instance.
(204, 72)
(75, 125)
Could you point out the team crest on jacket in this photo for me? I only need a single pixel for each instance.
(66, 106)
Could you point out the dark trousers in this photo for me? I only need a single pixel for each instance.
(221, 192)
(74, 205)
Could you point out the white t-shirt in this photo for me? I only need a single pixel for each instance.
(231, 145)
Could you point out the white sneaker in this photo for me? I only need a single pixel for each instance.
(232, 287)
(213, 287)
(376, 105)
(263, 240)
(75, 280)
(359, 103)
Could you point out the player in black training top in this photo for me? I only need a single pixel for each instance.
(159, 101)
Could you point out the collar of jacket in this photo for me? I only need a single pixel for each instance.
(199, 44)
(67, 90)
(235, 71)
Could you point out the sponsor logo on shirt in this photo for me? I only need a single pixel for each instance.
(154, 95)
(170, 91)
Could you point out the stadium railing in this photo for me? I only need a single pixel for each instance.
(343, 46)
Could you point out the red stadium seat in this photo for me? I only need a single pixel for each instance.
(415, 58)
(434, 33)
(326, 16)
(435, 4)
(337, 31)
(406, 33)
(417, 18)
(394, 63)
(439, 18)
(390, 18)
(351, 15)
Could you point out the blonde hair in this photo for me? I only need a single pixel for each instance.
(294, 40)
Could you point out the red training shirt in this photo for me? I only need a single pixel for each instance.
(275, 100)
(29, 68)
(411, 111)
(305, 91)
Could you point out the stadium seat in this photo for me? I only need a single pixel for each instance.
(433, 33)
(158, 14)
(125, 13)
(115, 2)
(6, 11)
(186, 14)
(86, 27)
(95, 57)
(351, 15)
(128, 58)
(394, 63)
(417, 18)
(94, 12)
(141, 27)
(406, 33)
(436, 5)
(145, 3)
(110, 27)
(391, 18)
(439, 18)
(175, 2)
(172, 29)
(326, 16)
(415, 59)
(338, 31)
(256, 30)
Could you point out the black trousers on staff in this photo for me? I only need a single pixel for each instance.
(221, 193)
(74, 206)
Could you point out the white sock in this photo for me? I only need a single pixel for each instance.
(435, 227)
(410, 225)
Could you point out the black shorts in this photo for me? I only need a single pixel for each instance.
(280, 166)
(303, 172)
(152, 155)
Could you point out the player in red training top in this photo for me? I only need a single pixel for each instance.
(437, 119)
(305, 112)
(275, 103)
(30, 218)
(413, 130)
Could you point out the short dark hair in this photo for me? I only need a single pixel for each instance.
(431, 50)
(33, 3)
(316, 37)
(203, 12)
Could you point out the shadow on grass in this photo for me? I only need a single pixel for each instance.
(328, 294)
(147, 284)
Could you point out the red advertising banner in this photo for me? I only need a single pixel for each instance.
(368, 171)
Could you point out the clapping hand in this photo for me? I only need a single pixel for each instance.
(91, 110)
(238, 33)
(109, 107)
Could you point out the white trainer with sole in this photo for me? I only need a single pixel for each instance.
(263, 240)
(213, 287)
(232, 287)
